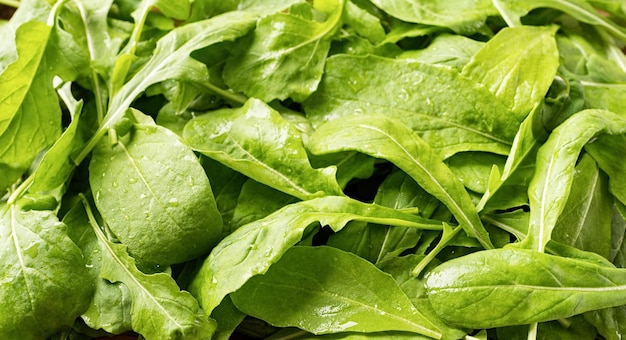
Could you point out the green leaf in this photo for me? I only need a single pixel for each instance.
(610, 322)
(286, 56)
(153, 193)
(383, 137)
(581, 10)
(256, 141)
(446, 49)
(609, 151)
(253, 248)
(450, 112)
(518, 66)
(159, 309)
(312, 288)
(505, 287)
(461, 16)
(585, 222)
(43, 274)
(27, 126)
(551, 184)
(474, 168)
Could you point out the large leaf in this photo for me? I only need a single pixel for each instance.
(518, 66)
(43, 273)
(159, 309)
(253, 248)
(459, 15)
(312, 288)
(153, 193)
(383, 137)
(256, 141)
(286, 56)
(450, 112)
(26, 125)
(551, 184)
(504, 287)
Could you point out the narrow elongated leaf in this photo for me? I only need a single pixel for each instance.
(512, 11)
(159, 309)
(171, 59)
(312, 288)
(256, 141)
(286, 56)
(159, 204)
(254, 247)
(585, 222)
(556, 159)
(383, 137)
(609, 151)
(518, 66)
(461, 16)
(43, 274)
(26, 126)
(504, 287)
(450, 112)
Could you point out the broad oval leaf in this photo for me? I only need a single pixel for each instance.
(518, 66)
(256, 141)
(505, 287)
(254, 247)
(153, 193)
(43, 274)
(312, 288)
(449, 111)
(383, 137)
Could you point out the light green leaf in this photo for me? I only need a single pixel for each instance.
(159, 310)
(504, 287)
(43, 273)
(27, 126)
(286, 56)
(518, 66)
(450, 112)
(383, 137)
(364, 23)
(312, 288)
(609, 152)
(461, 16)
(551, 184)
(513, 10)
(153, 193)
(256, 141)
(253, 248)
(446, 49)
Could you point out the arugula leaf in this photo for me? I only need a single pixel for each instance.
(160, 205)
(43, 274)
(461, 16)
(421, 96)
(383, 137)
(256, 141)
(254, 247)
(312, 288)
(26, 126)
(502, 287)
(159, 309)
(286, 48)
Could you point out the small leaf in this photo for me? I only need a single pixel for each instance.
(312, 288)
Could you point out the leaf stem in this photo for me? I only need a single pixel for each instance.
(532, 332)
(232, 96)
(21, 189)
(448, 235)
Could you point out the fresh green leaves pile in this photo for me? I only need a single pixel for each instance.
(395, 169)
